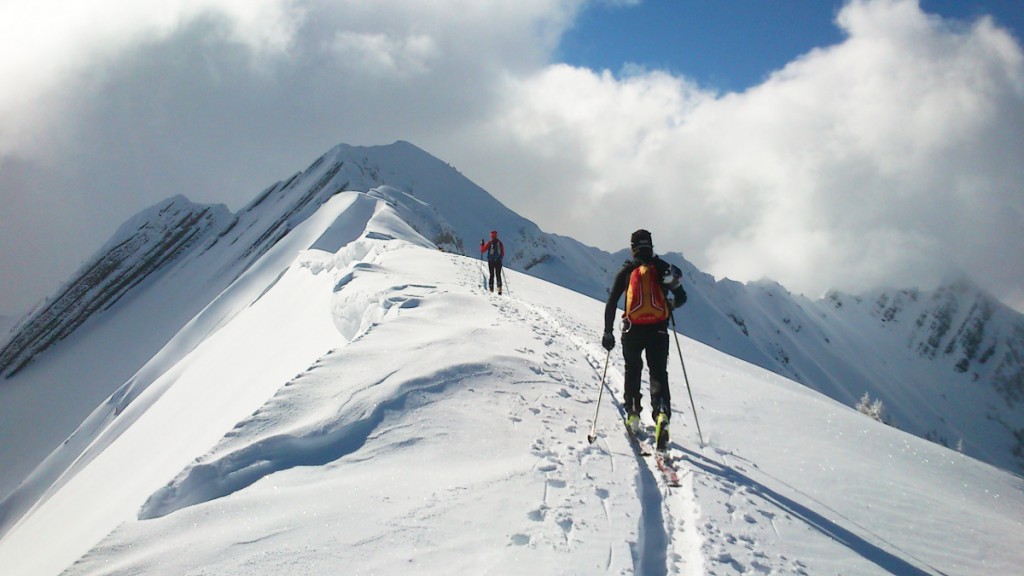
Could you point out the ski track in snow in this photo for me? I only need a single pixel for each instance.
(471, 458)
(667, 539)
(546, 387)
(671, 537)
(663, 539)
(560, 462)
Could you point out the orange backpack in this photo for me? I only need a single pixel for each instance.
(645, 300)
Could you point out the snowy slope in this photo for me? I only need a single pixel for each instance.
(166, 265)
(95, 358)
(373, 410)
(947, 364)
(99, 330)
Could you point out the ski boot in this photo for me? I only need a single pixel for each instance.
(633, 422)
(661, 432)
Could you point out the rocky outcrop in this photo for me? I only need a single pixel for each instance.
(143, 246)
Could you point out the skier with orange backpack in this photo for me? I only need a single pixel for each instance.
(646, 280)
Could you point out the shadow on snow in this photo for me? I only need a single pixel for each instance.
(884, 559)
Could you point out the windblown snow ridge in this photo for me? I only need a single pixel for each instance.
(317, 444)
(348, 416)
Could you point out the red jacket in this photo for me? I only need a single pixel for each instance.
(501, 248)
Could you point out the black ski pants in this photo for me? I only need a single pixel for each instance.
(495, 269)
(652, 341)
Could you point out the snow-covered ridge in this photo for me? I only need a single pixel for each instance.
(946, 364)
(138, 250)
(349, 399)
(836, 346)
(469, 455)
(445, 207)
(965, 327)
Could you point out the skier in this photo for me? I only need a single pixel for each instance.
(495, 253)
(646, 280)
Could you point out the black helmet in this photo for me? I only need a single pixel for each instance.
(641, 245)
(641, 238)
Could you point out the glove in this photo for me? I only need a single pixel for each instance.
(680, 299)
(608, 341)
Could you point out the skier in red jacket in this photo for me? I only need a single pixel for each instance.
(495, 254)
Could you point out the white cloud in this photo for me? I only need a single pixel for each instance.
(889, 159)
(110, 106)
(381, 54)
(886, 159)
(46, 44)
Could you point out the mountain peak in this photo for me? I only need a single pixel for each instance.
(159, 257)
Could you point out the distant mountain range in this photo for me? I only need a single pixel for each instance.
(946, 364)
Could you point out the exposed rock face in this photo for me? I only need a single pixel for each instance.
(159, 236)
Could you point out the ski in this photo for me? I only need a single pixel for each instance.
(639, 445)
(664, 462)
(667, 468)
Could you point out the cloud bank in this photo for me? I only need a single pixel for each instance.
(889, 159)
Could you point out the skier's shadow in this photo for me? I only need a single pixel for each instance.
(883, 558)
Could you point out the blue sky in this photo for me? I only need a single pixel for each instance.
(730, 45)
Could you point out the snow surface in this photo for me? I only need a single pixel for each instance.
(372, 409)
(843, 346)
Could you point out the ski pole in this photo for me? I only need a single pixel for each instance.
(593, 429)
(483, 274)
(505, 279)
(686, 379)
